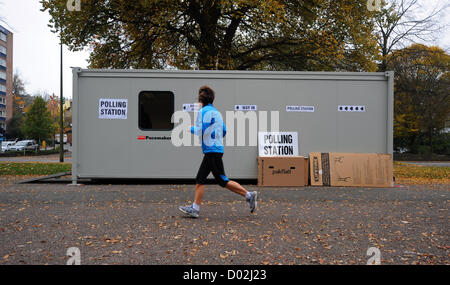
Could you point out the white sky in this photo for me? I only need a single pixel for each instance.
(37, 51)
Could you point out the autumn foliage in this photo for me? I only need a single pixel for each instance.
(220, 34)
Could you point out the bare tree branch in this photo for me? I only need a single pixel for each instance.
(399, 24)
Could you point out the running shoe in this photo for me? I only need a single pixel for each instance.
(189, 210)
(253, 201)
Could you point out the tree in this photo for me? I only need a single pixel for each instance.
(19, 93)
(422, 93)
(20, 101)
(38, 124)
(18, 85)
(219, 34)
(340, 37)
(53, 107)
(203, 34)
(398, 24)
(14, 126)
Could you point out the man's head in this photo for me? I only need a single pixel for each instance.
(206, 95)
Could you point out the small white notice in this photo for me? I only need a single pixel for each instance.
(351, 108)
(307, 109)
(112, 108)
(245, 107)
(191, 107)
(278, 143)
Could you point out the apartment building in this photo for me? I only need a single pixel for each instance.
(6, 76)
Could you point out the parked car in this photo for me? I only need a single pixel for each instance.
(400, 150)
(57, 138)
(7, 145)
(24, 145)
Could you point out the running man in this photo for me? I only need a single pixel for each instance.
(210, 126)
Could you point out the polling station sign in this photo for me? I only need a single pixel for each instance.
(195, 107)
(278, 143)
(112, 108)
(304, 109)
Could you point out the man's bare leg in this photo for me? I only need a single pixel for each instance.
(249, 196)
(199, 192)
(193, 210)
(236, 188)
(231, 185)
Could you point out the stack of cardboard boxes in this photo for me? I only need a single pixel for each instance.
(283, 171)
(351, 169)
(327, 169)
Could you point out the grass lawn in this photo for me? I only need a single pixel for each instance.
(416, 174)
(33, 168)
(404, 173)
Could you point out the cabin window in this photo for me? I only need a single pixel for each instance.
(155, 110)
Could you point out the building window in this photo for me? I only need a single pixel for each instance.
(2, 75)
(3, 49)
(2, 100)
(2, 62)
(2, 88)
(2, 37)
(155, 110)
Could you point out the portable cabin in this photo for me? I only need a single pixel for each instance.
(122, 119)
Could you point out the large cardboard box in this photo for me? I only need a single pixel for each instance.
(282, 171)
(351, 169)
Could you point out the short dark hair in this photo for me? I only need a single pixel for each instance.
(206, 95)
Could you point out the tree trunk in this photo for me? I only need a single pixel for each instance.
(384, 53)
(207, 59)
(430, 137)
(207, 44)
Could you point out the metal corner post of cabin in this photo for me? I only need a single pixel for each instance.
(390, 113)
(75, 110)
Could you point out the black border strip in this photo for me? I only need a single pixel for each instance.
(326, 169)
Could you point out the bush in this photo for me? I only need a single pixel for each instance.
(441, 144)
(421, 145)
(424, 149)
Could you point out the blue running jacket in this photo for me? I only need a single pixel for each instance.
(210, 126)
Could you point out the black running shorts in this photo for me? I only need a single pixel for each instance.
(212, 162)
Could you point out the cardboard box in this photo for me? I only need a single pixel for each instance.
(307, 171)
(351, 169)
(282, 171)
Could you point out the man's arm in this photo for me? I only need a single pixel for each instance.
(197, 128)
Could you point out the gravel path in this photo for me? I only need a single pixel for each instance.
(140, 224)
(429, 163)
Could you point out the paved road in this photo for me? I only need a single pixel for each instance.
(38, 158)
(140, 224)
(429, 163)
